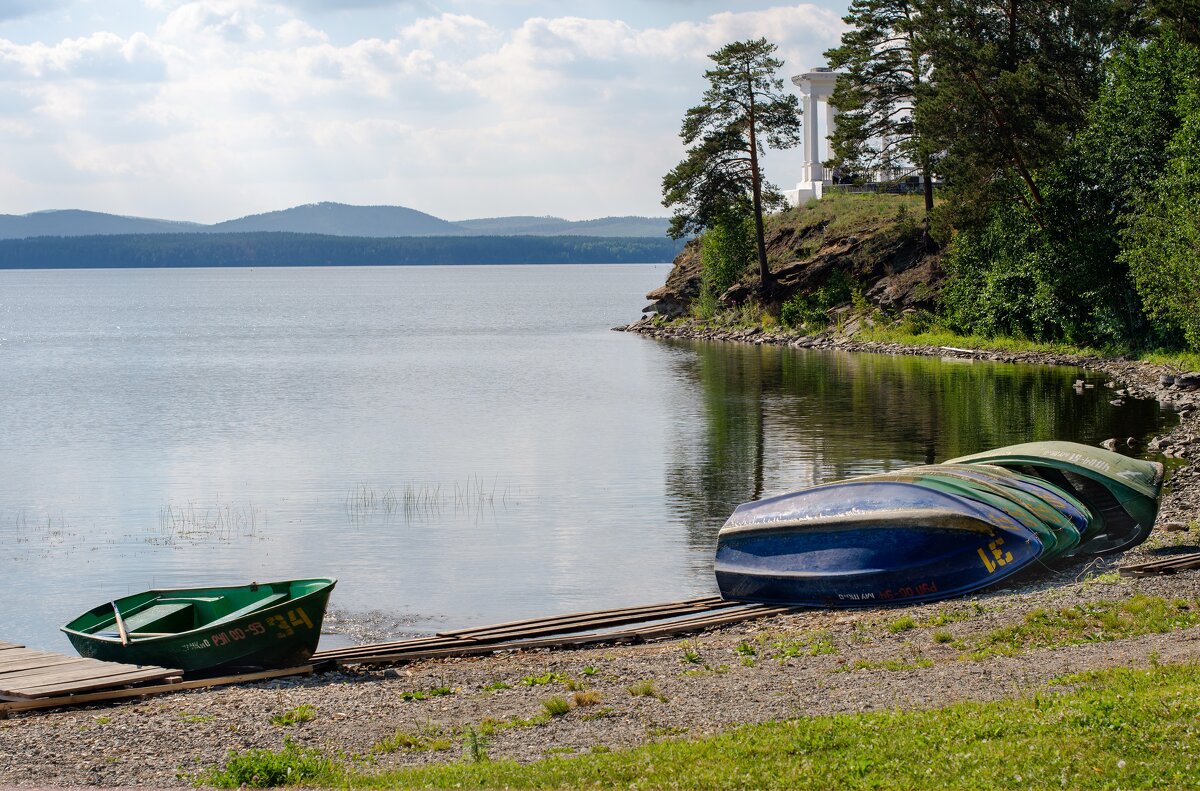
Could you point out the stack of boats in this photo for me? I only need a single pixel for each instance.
(936, 531)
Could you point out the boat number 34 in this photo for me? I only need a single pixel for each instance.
(995, 556)
(285, 623)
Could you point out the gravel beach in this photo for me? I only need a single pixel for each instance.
(799, 664)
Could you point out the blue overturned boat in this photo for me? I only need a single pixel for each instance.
(935, 531)
(868, 542)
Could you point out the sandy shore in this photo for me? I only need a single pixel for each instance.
(793, 665)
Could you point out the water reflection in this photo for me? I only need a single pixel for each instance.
(772, 419)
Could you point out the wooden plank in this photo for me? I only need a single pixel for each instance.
(87, 685)
(707, 601)
(80, 679)
(533, 627)
(33, 663)
(76, 670)
(1162, 566)
(138, 692)
(5, 646)
(682, 626)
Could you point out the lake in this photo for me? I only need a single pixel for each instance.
(458, 445)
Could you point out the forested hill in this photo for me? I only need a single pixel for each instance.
(298, 249)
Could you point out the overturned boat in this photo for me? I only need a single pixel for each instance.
(936, 531)
(867, 542)
(1120, 493)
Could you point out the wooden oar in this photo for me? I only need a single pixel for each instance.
(121, 625)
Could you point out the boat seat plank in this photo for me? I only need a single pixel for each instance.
(138, 620)
(260, 604)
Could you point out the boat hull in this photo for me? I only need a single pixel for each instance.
(866, 543)
(202, 629)
(1120, 492)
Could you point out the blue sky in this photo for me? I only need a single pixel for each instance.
(213, 109)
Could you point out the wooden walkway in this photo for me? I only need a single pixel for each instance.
(573, 630)
(26, 673)
(1168, 565)
(31, 679)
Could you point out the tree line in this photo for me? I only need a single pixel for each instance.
(1065, 137)
(297, 249)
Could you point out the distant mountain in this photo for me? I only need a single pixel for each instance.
(331, 219)
(74, 222)
(339, 219)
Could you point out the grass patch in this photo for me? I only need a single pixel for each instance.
(267, 768)
(902, 624)
(598, 714)
(942, 636)
(544, 679)
(587, 698)
(425, 694)
(302, 713)
(811, 644)
(889, 664)
(645, 689)
(1121, 728)
(556, 706)
(429, 738)
(496, 685)
(1089, 623)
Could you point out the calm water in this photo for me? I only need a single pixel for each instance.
(458, 445)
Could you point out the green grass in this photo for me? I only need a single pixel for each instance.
(1120, 728)
(429, 738)
(543, 679)
(425, 694)
(645, 689)
(1089, 623)
(556, 706)
(902, 624)
(302, 713)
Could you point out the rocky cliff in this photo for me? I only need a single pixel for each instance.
(877, 240)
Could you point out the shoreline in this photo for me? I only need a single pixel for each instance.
(804, 663)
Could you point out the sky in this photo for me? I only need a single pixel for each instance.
(214, 109)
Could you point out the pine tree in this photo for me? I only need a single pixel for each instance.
(883, 72)
(744, 110)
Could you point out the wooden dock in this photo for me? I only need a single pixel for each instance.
(26, 673)
(31, 679)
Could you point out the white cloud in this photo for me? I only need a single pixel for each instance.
(231, 106)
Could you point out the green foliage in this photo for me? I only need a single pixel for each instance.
(812, 310)
(302, 713)
(726, 252)
(1056, 270)
(475, 746)
(902, 624)
(268, 768)
(1162, 244)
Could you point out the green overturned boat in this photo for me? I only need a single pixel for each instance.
(257, 626)
(1121, 493)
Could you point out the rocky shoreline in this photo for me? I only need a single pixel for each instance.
(805, 663)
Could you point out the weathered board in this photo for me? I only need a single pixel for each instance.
(27, 673)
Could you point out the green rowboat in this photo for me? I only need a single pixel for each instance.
(1121, 492)
(260, 625)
